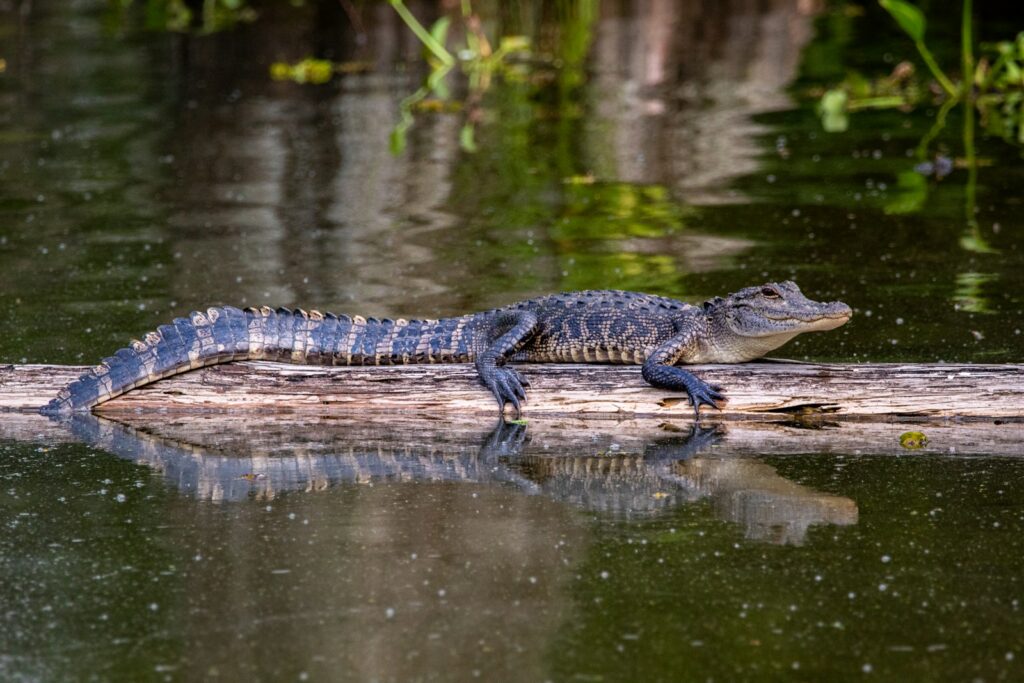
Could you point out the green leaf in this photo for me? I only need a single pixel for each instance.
(909, 195)
(396, 141)
(514, 44)
(439, 31)
(466, 140)
(1013, 72)
(910, 18)
(832, 110)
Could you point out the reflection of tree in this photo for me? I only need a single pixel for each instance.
(678, 83)
(296, 198)
(211, 183)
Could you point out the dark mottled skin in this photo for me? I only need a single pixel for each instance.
(577, 327)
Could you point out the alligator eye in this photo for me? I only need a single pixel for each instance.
(770, 292)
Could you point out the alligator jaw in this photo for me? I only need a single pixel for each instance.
(834, 314)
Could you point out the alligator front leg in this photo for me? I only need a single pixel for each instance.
(659, 369)
(510, 330)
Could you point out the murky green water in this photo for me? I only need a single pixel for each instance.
(143, 175)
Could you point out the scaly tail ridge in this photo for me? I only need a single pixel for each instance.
(223, 334)
(217, 335)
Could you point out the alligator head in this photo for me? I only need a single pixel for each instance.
(756, 320)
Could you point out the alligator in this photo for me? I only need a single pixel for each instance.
(603, 326)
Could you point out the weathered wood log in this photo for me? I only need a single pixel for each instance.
(761, 389)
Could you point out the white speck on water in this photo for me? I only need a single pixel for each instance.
(389, 613)
(280, 571)
(605, 574)
(120, 498)
(269, 508)
(153, 607)
(533, 579)
(441, 592)
(886, 559)
(867, 668)
(883, 587)
(1009, 656)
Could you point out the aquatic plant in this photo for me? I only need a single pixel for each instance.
(476, 58)
(993, 84)
(992, 87)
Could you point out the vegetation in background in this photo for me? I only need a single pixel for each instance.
(178, 15)
(464, 62)
(474, 55)
(993, 84)
(992, 87)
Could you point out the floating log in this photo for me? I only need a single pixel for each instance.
(754, 390)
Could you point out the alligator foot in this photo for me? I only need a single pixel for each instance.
(677, 379)
(507, 385)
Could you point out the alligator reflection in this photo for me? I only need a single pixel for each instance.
(226, 458)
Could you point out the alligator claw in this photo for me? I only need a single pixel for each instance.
(704, 394)
(507, 386)
(670, 377)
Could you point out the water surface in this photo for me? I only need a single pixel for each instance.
(143, 175)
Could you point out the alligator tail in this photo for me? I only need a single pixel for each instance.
(220, 335)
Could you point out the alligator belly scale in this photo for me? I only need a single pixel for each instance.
(606, 326)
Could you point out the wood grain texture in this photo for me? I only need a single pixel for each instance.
(755, 390)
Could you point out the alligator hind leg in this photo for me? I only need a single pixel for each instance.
(659, 369)
(508, 333)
